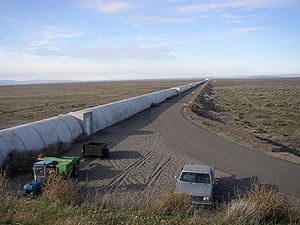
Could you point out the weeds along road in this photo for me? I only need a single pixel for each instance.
(230, 157)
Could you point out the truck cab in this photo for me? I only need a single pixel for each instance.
(197, 181)
(42, 168)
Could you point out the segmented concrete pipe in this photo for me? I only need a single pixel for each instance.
(66, 128)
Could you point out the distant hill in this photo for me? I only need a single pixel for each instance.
(40, 81)
(254, 76)
(15, 82)
(261, 76)
(271, 76)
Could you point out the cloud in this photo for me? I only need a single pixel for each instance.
(230, 16)
(9, 54)
(51, 33)
(166, 20)
(249, 29)
(220, 5)
(237, 17)
(205, 16)
(141, 38)
(231, 33)
(289, 41)
(174, 1)
(235, 4)
(108, 6)
(108, 53)
(235, 21)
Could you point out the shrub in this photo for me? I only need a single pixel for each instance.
(60, 190)
(271, 204)
(240, 212)
(173, 202)
(261, 205)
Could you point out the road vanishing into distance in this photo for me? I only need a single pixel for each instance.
(227, 156)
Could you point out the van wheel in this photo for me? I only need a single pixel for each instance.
(214, 206)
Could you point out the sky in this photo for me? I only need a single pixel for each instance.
(147, 39)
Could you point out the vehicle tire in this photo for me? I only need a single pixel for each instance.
(26, 192)
(36, 191)
(74, 172)
(214, 206)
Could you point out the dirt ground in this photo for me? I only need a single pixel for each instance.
(141, 165)
(20, 104)
(262, 114)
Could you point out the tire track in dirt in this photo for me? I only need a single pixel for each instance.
(156, 174)
(159, 170)
(118, 180)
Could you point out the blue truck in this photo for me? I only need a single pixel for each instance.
(66, 166)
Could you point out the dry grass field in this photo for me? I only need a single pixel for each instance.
(260, 205)
(26, 103)
(262, 112)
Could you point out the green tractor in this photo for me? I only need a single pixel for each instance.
(66, 166)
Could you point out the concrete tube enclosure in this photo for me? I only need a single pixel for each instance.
(109, 114)
(40, 135)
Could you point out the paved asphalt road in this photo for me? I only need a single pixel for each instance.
(223, 154)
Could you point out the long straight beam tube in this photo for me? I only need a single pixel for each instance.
(66, 128)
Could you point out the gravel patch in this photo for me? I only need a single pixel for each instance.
(142, 164)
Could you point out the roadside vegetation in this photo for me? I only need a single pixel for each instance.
(61, 203)
(60, 190)
(3, 183)
(262, 205)
(262, 113)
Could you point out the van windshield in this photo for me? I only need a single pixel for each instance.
(202, 178)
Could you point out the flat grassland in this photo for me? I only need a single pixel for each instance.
(21, 104)
(264, 112)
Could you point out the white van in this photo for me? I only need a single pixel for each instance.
(198, 182)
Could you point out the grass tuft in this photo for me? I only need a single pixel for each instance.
(60, 190)
(241, 212)
(107, 200)
(3, 183)
(173, 202)
(261, 205)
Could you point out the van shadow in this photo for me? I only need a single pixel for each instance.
(229, 188)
